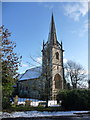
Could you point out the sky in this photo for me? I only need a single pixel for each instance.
(29, 23)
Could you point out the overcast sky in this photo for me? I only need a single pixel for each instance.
(29, 24)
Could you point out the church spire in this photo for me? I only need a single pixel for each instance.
(52, 24)
(52, 33)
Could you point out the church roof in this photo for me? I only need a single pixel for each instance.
(32, 73)
(19, 76)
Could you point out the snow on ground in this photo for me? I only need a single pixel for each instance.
(39, 114)
(35, 102)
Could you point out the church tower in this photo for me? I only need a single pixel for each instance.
(52, 63)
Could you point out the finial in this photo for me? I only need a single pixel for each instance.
(43, 41)
(52, 17)
(52, 13)
(43, 44)
(61, 44)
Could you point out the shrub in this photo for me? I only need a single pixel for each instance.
(77, 99)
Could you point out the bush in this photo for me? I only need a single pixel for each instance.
(6, 95)
(75, 99)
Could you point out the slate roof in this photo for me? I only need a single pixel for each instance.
(31, 74)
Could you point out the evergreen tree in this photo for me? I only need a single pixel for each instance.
(10, 63)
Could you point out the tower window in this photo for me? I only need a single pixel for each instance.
(57, 55)
(57, 67)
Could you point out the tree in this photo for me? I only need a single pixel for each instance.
(75, 73)
(45, 77)
(10, 62)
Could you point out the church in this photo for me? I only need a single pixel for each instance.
(48, 79)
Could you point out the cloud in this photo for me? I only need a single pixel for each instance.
(76, 10)
(24, 65)
(84, 29)
(39, 59)
(65, 60)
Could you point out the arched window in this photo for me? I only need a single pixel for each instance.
(58, 81)
(57, 55)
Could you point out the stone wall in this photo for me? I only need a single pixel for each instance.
(30, 88)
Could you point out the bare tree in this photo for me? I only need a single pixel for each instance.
(45, 76)
(75, 73)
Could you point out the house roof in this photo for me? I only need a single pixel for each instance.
(31, 73)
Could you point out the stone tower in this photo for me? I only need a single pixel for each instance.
(52, 63)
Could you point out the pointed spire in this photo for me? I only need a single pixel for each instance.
(52, 33)
(52, 24)
(43, 44)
